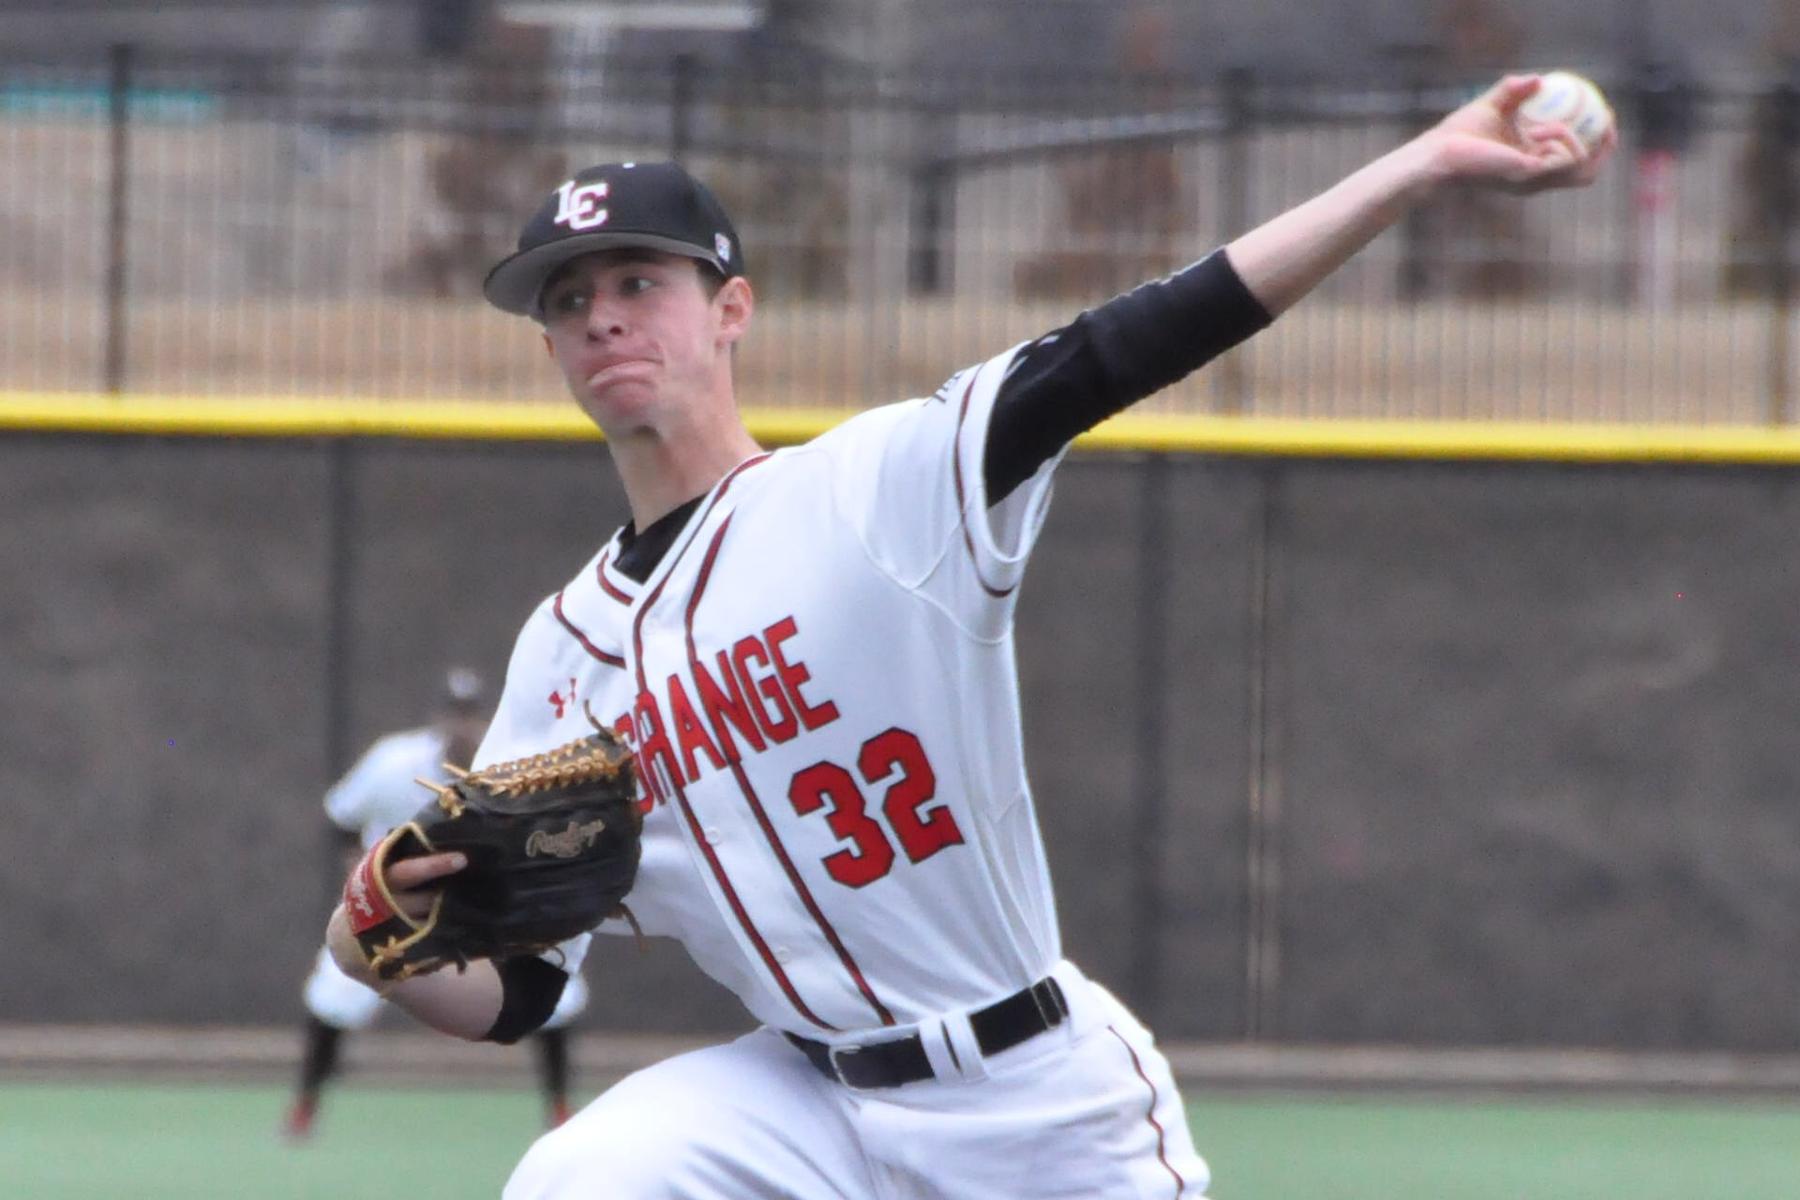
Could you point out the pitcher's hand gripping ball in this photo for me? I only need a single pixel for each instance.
(552, 843)
(1572, 100)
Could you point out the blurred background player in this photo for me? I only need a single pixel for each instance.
(380, 792)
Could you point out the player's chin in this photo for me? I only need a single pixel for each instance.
(619, 404)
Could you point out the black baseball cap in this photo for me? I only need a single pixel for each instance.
(657, 205)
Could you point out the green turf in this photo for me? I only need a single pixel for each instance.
(1384, 1149)
(86, 1142)
(134, 1142)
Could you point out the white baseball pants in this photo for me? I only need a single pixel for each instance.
(1087, 1110)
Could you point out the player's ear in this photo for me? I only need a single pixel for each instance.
(735, 303)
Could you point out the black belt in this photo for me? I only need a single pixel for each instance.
(997, 1027)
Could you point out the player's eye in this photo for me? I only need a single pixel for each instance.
(566, 302)
(633, 285)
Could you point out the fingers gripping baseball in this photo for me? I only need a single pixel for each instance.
(1491, 142)
(1510, 94)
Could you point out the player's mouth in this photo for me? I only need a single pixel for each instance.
(607, 370)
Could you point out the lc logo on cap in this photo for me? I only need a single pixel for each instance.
(580, 206)
(648, 205)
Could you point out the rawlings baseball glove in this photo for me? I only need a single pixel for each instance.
(552, 843)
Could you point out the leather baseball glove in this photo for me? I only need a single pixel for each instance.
(552, 843)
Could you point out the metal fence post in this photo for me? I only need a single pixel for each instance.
(340, 571)
(933, 195)
(1237, 95)
(1784, 102)
(681, 107)
(118, 210)
(1665, 101)
(1415, 231)
(1263, 801)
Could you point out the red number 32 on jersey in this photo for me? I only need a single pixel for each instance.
(869, 853)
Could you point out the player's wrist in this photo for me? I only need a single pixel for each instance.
(1420, 167)
(342, 945)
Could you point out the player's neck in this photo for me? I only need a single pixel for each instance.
(664, 469)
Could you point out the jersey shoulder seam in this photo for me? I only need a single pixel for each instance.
(949, 544)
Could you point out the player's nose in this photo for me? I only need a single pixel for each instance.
(604, 321)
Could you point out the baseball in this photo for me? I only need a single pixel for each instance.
(1574, 101)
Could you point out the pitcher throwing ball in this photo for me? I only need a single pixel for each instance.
(810, 653)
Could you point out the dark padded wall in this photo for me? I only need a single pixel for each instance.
(1529, 729)
(1082, 667)
(1540, 755)
(160, 726)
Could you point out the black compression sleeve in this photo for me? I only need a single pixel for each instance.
(1110, 357)
(530, 988)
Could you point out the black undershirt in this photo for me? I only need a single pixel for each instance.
(1069, 380)
(1108, 359)
(640, 552)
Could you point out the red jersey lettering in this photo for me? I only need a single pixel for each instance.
(726, 703)
(653, 746)
(780, 726)
(690, 733)
(794, 674)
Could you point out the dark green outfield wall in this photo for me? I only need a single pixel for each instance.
(1516, 745)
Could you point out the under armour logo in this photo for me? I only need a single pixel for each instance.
(359, 896)
(560, 702)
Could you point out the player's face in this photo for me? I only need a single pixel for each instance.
(638, 335)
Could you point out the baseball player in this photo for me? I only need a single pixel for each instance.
(380, 792)
(811, 653)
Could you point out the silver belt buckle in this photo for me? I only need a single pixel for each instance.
(1057, 1010)
(832, 1055)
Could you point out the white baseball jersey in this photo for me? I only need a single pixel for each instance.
(818, 680)
(380, 791)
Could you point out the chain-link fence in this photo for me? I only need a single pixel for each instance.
(318, 227)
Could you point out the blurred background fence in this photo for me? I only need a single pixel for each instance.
(315, 220)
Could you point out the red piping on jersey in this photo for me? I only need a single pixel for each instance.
(962, 504)
(737, 907)
(611, 660)
(687, 811)
(1162, 1153)
(607, 585)
(735, 761)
